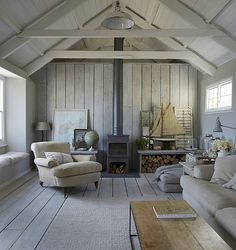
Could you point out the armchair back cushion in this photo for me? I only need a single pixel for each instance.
(39, 148)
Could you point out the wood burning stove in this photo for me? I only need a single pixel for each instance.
(117, 143)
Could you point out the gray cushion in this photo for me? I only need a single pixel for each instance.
(170, 178)
(76, 168)
(209, 195)
(227, 218)
(4, 161)
(169, 187)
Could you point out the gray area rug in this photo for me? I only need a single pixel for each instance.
(89, 223)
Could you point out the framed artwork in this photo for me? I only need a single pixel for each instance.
(146, 122)
(66, 121)
(79, 142)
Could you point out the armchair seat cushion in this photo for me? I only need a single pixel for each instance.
(76, 168)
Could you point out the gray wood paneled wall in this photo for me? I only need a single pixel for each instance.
(89, 85)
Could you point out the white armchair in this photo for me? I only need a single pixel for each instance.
(83, 169)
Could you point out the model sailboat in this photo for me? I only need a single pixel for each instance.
(166, 124)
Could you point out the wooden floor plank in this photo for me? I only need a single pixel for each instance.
(160, 194)
(8, 237)
(119, 189)
(31, 211)
(35, 231)
(4, 192)
(91, 191)
(13, 197)
(145, 187)
(132, 188)
(177, 196)
(8, 215)
(105, 189)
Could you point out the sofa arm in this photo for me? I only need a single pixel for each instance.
(84, 157)
(204, 172)
(47, 163)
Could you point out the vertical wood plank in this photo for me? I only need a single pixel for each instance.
(136, 127)
(165, 82)
(79, 86)
(192, 101)
(89, 93)
(70, 86)
(184, 86)
(107, 106)
(127, 105)
(60, 90)
(146, 87)
(41, 95)
(98, 109)
(174, 83)
(51, 95)
(156, 85)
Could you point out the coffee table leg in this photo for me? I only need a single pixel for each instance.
(130, 234)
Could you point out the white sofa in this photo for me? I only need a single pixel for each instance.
(12, 165)
(213, 202)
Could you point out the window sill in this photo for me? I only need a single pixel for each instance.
(219, 111)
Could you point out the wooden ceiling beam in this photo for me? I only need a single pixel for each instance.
(134, 33)
(98, 54)
(197, 21)
(12, 68)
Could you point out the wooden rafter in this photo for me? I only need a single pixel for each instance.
(194, 19)
(199, 62)
(49, 18)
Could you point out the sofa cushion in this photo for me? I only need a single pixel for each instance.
(16, 156)
(4, 161)
(209, 195)
(76, 168)
(227, 219)
(84, 157)
(231, 183)
(225, 169)
(59, 157)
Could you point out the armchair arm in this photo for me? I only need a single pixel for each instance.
(84, 157)
(47, 163)
(204, 172)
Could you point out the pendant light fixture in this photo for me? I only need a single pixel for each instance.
(118, 20)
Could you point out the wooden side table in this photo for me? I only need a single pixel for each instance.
(188, 167)
(84, 152)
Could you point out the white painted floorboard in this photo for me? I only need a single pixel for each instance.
(27, 210)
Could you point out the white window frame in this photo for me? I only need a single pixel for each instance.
(3, 140)
(218, 85)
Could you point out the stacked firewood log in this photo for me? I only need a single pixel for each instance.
(121, 169)
(151, 162)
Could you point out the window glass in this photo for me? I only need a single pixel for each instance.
(219, 96)
(1, 110)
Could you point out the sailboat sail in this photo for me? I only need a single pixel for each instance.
(166, 123)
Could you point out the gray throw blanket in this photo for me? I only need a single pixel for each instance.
(175, 169)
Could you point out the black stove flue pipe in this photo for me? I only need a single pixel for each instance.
(118, 90)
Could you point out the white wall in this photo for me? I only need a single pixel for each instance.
(20, 113)
(207, 120)
(16, 114)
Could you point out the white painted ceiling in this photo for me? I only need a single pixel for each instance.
(24, 56)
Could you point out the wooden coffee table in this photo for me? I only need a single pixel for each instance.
(165, 234)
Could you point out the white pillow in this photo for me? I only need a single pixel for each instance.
(224, 169)
(59, 157)
(231, 183)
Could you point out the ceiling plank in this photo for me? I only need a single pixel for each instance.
(12, 68)
(98, 54)
(65, 43)
(47, 19)
(200, 63)
(134, 33)
(194, 19)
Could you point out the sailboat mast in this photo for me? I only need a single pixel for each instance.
(162, 114)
